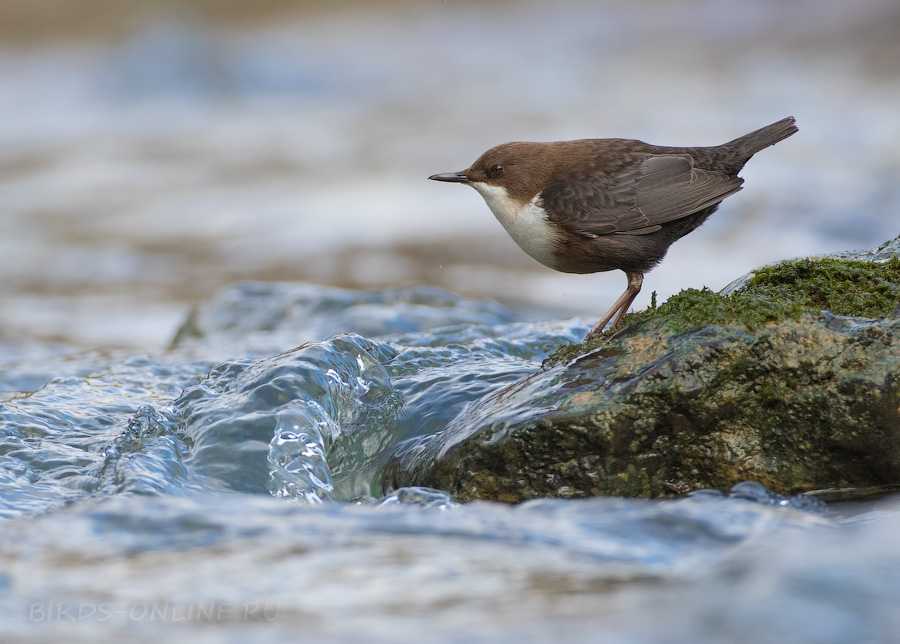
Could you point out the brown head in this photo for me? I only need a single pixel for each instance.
(522, 169)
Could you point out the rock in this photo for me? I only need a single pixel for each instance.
(791, 379)
(883, 253)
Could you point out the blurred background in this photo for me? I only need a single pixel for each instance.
(153, 151)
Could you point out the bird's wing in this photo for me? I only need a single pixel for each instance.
(637, 197)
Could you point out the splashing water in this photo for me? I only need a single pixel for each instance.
(165, 469)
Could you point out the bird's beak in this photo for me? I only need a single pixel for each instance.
(451, 177)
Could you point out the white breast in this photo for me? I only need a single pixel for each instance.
(525, 223)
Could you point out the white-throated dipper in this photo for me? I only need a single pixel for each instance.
(594, 205)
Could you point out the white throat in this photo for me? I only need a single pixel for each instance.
(526, 223)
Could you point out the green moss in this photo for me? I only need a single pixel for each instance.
(692, 308)
(778, 292)
(860, 289)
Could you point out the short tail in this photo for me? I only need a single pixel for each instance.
(749, 144)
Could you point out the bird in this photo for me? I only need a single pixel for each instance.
(596, 205)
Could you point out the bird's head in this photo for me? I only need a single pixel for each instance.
(519, 170)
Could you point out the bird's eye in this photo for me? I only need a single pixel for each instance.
(495, 171)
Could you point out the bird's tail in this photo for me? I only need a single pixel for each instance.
(749, 144)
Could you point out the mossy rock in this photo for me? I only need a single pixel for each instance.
(792, 379)
(783, 291)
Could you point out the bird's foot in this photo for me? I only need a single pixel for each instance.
(596, 332)
(608, 331)
(593, 333)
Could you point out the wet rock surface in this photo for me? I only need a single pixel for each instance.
(764, 382)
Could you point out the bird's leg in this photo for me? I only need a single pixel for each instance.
(598, 328)
(635, 281)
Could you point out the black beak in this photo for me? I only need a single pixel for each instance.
(450, 177)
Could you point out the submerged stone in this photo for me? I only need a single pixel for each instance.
(791, 378)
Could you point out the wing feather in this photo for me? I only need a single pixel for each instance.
(640, 196)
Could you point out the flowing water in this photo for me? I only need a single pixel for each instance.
(240, 499)
(229, 488)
